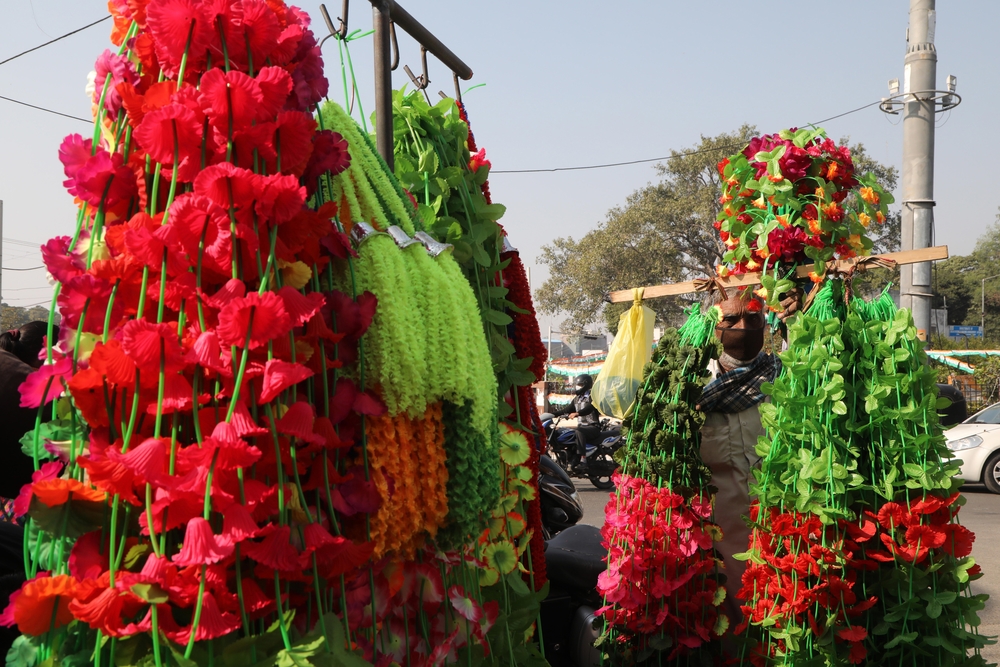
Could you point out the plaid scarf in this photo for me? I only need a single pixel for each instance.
(739, 389)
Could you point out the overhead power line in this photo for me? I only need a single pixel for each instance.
(29, 244)
(53, 41)
(666, 157)
(32, 268)
(35, 106)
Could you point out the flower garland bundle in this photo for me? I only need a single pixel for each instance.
(526, 337)
(661, 589)
(426, 344)
(793, 196)
(203, 490)
(407, 457)
(923, 556)
(854, 542)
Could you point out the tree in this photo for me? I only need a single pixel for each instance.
(12, 317)
(664, 233)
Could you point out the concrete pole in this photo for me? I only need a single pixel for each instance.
(919, 74)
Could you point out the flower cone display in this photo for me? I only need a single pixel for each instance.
(663, 588)
(256, 435)
(855, 554)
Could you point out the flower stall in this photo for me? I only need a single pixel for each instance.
(286, 419)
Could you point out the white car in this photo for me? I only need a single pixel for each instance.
(976, 443)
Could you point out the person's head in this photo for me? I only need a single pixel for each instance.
(582, 384)
(741, 328)
(26, 342)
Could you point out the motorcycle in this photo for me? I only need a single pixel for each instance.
(574, 559)
(601, 463)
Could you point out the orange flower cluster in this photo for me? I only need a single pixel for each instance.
(407, 460)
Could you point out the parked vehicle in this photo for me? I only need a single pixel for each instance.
(976, 442)
(561, 507)
(601, 464)
(574, 559)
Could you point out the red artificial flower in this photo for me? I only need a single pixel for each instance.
(281, 200)
(229, 99)
(279, 376)
(45, 384)
(176, 27)
(253, 320)
(96, 177)
(201, 546)
(275, 551)
(275, 84)
(42, 604)
(292, 142)
(329, 155)
(357, 495)
(173, 134)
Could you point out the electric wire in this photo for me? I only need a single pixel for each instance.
(31, 268)
(667, 157)
(35, 106)
(53, 41)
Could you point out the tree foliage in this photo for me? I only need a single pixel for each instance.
(662, 234)
(12, 317)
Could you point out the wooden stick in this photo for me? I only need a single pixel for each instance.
(904, 257)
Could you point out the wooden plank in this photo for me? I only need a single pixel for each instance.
(675, 289)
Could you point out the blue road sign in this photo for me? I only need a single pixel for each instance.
(965, 331)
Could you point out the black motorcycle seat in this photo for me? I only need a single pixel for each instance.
(575, 558)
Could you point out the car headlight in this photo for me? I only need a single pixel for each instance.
(968, 442)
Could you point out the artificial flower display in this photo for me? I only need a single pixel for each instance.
(251, 457)
(793, 198)
(662, 589)
(856, 555)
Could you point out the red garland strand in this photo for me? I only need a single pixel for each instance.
(527, 337)
(472, 146)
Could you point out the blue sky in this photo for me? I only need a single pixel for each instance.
(571, 84)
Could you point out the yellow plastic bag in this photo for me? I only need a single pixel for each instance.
(618, 382)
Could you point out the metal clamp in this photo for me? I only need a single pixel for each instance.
(434, 248)
(401, 238)
(362, 231)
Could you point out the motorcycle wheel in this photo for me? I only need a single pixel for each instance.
(603, 467)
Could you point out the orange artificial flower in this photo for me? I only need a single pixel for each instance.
(725, 198)
(54, 492)
(820, 194)
(815, 227)
(869, 195)
(815, 277)
(42, 604)
(722, 271)
(753, 265)
(880, 217)
(759, 202)
(775, 179)
(831, 170)
(864, 219)
(782, 220)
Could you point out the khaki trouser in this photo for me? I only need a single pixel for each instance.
(727, 447)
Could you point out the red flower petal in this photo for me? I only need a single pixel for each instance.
(45, 384)
(172, 23)
(275, 551)
(200, 545)
(276, 84)
(173, 128)
(228, 185)
(279, 376)
(198, 220)
(282, 199)
(300, 308)
(293, 132)
(238, 525)
(145, 342)
(298, 422)
(253, 320)
(229, 99)
(145, 462)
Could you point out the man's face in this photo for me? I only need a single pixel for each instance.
(735, 315)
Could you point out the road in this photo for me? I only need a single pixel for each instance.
(980, 514)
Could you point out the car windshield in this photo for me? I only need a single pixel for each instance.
(990, 415)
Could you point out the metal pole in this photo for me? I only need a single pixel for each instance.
(426, 38)
(383, 80)
(919, 74)
(550, 343)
